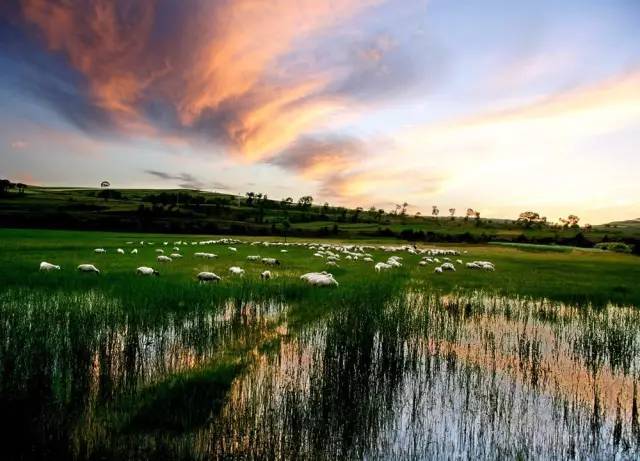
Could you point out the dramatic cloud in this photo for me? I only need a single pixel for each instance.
(232, 71)
(187, 181)
(316, 157)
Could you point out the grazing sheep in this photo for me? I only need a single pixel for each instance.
(332, 263)
(208, 277)
(175, 255)
(448, 267)
(205, 255)
(164, 259)
(176, 249)
(271, 261)
(484, 265)
(473, 266)
(284, 251)
(233, 249)
(235, 270)
(159, 251)
(100, 250)
(143, 270)
(422, 263)
(438, 270)
(45, 266)
(88, 269)
(459, 261)
(120, 251)
(368, 259)
(266, 275)
(253, 258)
(382, 266)
(321, 279)
(134, 251)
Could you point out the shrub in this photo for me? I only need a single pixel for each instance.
(619, 247)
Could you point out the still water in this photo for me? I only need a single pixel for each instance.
(418, 376)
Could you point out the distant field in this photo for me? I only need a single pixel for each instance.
(180, 211)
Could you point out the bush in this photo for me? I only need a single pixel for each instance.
(619, 247)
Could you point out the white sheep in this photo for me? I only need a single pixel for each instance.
(332, 263)
(368, 259)
(208, 277)
(253, 258)
(88, 268)
(100, 251)
(164, 259)
(120, 251)
(234, 249)
(422, 263)
(382, 266)
(284, 251)
(175, 255)
(143, 270)
(159, 251)
(235, 270)
(322, 279)
(459, 261)
(438, 270)
(45, 266)
(266, 275)
(271, 261)
(448, 267)
(134, 251)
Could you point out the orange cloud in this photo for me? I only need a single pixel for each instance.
(217, 66)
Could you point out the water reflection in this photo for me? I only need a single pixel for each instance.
(415, 376)
(455, 377)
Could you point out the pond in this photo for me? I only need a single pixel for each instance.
(415, 376)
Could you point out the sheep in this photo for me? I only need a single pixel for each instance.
(438, 270)
(253, 258)
(382, 266)
(473, 266)
(422, 263)
(233, 249)
(159, 251)
(205, 255)
(88, 268)
(448, 267)
(175, 255)
(266, 275)
(322, 279)
(208, 277)
(484, 265)
(176, 249)
(45, 266)
(164, 259)
(143, 270)
(368, 259)
(100, 251)
(284, 251)
(134, 251)
(459, 261)
(271, 261)
(332, 263)
(235, 270)
(120, 251)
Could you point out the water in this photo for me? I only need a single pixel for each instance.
(413, 376)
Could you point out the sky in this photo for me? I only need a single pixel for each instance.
(498, 106)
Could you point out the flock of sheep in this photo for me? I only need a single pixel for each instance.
(330, 252)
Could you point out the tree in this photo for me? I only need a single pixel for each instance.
(530, 217)
(404, 208)
(286, 225)
(305, 201)
(5, 185)
(21, 187)
(418, 214)
(477, 213)
(325, 207)
(105, 184)
(380, 214)
(571, 221)
(452, 212)
(470, 213)
(356, 213)
(435, 211)
(250, 197)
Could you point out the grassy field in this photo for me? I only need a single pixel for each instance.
(120, 366)
(569, 275)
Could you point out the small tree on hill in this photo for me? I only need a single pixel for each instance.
(452, 212)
